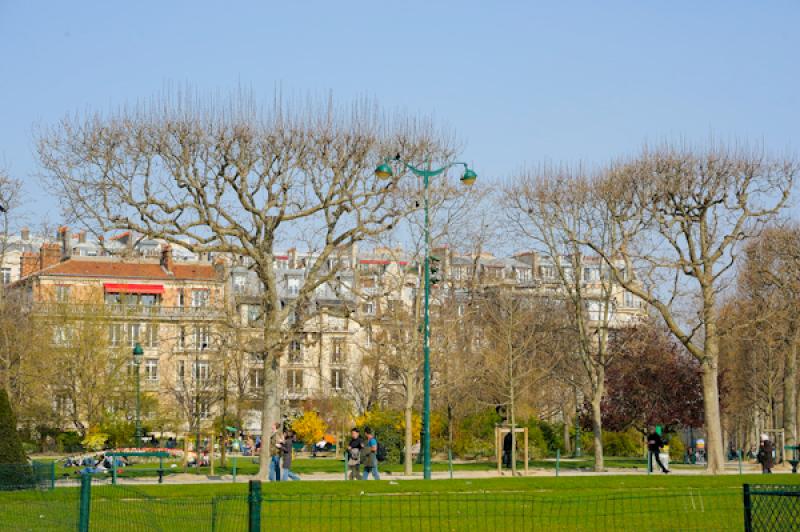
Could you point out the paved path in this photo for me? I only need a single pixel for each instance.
(731, 468)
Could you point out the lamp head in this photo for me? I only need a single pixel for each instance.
(469, 177)
(138, 353)
(384, 171)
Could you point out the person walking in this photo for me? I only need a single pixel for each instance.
(353, 455)
(654, 445)
(370, 455)
(765, 454)
(286, 449)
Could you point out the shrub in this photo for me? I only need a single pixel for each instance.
(69, 442)
(677, 449)
(389, 427)
(11, 451)
(628, 443)
(310, 428)
(474, 436)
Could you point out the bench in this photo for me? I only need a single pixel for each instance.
(157, 454)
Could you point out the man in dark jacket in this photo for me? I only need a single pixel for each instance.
(765, 454)
(286, 450)
(353, 455)
(654, 445)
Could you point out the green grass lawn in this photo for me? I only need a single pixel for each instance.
(568, 503)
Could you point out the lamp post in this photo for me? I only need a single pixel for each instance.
(384, 171)
(197, 400)
(138, 353)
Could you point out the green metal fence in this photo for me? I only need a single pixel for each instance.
(40, 475)
(95, 505)
(771, 508)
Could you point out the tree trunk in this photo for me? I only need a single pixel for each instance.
(790, 389)
(269, 414)
(713, 425)
(597, 424)
(567, 426)
(408, 464)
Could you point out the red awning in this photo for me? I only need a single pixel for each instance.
(134, 288)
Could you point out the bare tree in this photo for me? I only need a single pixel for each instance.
(554, 210)
(238, 179)
(522, 340)
(677, 216)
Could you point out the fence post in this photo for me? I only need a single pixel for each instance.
(113, 470)
(254, 506)
(450, 461)
(739, 456)
(53, 475)
(748, 523)
(345, 464)
(649, 462)
(234, 468)
(558, 461)
(85, 502)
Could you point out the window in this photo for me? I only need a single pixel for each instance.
(151, 369)
(115, 334)
(546, 272)
(294, 380)
(295, 352)
(181, 337)
(181, 298)
(631, 301)
(368, 308)
(133, 333)
(202, 371)
(256, 379)
(149, 300)
(368, 337)
(62, 293)
(338, 379)
(253, 314)
(113, 298)
(61, 335)
(6, 275)
(205, 408)
(151, 335)
(201, 337)
(199, 298)
(293, 285)
(181, 371)
(337, 351)
(591, 274)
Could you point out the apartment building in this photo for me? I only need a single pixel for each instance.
(174, 311)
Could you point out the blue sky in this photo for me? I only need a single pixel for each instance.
(519, 82)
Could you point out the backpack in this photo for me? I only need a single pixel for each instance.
(353, 456)
(380, 454)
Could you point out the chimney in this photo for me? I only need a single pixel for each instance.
(82, 237)
(49, 255)
(66, 244)
(28, 263)
(25, 234)
(166, 258)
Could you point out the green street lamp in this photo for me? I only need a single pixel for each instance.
(384, 171)
(138, 353)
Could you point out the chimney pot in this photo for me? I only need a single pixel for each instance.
(166, 258)
(25, 233)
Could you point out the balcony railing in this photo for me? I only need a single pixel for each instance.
(296, 393)
(131, 311)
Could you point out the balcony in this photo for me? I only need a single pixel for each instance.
(293, 394)
(130, 311)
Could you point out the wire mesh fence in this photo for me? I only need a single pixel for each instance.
(108, 507)
(771, 508)
(689, 510)
(26, 476)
